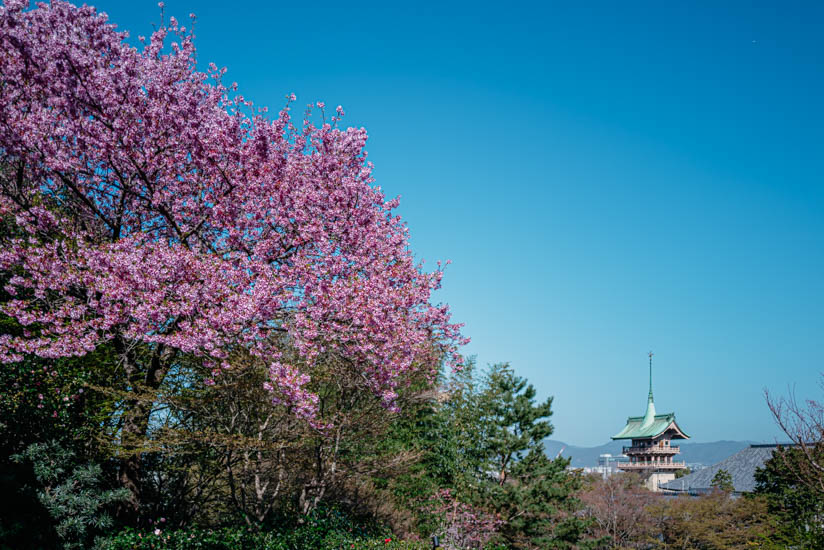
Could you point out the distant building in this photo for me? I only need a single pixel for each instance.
(607, 465)
(651, 453)
(609, 461)
(741, 466)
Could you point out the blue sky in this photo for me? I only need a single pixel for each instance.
(607, 178)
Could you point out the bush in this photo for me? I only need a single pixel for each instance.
(74, 495)
(246, 539)
(325, 528)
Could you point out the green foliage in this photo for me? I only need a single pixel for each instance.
(722, 480)
(73, 494)
(796, 507)
(23, 519)
(515, 424)
(241, 538)
(427, 429)
(516, 480)
(324, 528)
(490, 453)
(682, 472)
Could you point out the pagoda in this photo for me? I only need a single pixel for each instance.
(652, 453)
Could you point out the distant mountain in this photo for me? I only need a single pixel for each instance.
(703, 453)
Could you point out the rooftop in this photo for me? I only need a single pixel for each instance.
(643, 427)
(741, 466)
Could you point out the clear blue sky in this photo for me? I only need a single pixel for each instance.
(607, 178)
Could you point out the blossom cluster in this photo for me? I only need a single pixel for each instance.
(462, 525)
(151, 203)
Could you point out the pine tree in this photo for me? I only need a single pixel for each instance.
(722, 480)
(532, 494)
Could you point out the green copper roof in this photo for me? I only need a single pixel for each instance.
(651, 424)
(642, 427)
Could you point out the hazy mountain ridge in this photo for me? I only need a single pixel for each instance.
(704, 453)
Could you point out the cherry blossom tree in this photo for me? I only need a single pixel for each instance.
(461, 526)
(157, 211)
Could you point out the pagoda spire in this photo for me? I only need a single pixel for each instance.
(649, 417)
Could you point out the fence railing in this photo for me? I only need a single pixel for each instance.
(653, 450)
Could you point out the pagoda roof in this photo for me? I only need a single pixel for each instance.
(650, 425)
(643, 427)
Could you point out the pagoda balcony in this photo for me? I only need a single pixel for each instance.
(636, 466)
(652, 450)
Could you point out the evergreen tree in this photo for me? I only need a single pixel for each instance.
(797, 508)
(74, 494)
(722, 480)
(513, 478)
(532, 494)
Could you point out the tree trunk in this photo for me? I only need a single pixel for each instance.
(133, 432)
(143, 382)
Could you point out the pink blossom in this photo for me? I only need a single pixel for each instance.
(153, 210)
(461, 525)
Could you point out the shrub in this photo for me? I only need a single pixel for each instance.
(247, 539)
(74, 495)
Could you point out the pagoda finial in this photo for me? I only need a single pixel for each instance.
(649, 417)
